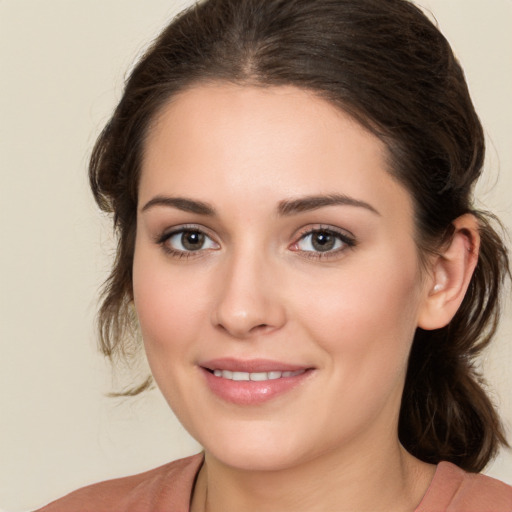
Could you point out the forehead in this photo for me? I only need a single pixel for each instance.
(240, 141)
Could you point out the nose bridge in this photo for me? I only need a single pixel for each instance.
(247, 301)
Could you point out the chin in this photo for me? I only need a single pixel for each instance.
(256, 449)
(255, 458)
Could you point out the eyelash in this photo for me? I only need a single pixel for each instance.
(347, 241)
(177, 253)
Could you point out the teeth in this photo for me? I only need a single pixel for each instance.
(255, 376)
(259, 376)
(241, 376)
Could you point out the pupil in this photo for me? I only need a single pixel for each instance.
(192, 240)
(323, 241)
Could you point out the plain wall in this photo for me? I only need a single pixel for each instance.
(62, 65)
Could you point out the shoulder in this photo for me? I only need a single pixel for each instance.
(455, 490)
(167, 487)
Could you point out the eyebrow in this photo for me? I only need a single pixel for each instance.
(308, 203)
(181, 203)
(285, 208)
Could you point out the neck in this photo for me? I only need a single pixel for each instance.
(392, 481)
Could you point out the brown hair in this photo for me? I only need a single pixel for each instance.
(388, 66)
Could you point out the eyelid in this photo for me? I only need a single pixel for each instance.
(168, 232)
(314, 228)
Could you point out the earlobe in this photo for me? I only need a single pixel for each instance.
(451, 274)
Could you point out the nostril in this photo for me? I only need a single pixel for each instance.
(260, 327)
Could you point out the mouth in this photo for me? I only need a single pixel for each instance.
(252, 382)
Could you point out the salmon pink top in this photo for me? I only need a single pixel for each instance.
(169, 488)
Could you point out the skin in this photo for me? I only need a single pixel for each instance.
(258, 289)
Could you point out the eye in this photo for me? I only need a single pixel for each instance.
(187, 240)
(323, 241)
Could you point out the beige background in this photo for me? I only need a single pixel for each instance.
(62, 64)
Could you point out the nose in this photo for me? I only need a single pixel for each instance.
(248, 300)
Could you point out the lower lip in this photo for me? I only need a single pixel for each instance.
(252, 392)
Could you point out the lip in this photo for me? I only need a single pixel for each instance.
(251, 392)
(251, 365)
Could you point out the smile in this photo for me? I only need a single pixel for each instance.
(252, 382)
(255, 376)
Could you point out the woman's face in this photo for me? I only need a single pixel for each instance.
(276, 277)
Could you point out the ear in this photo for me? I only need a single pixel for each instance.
(451, 274)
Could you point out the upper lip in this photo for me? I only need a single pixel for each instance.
(251, 365)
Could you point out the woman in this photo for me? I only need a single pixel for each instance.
(291, 183)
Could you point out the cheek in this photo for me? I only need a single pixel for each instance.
(365, 316)
(168, 307)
